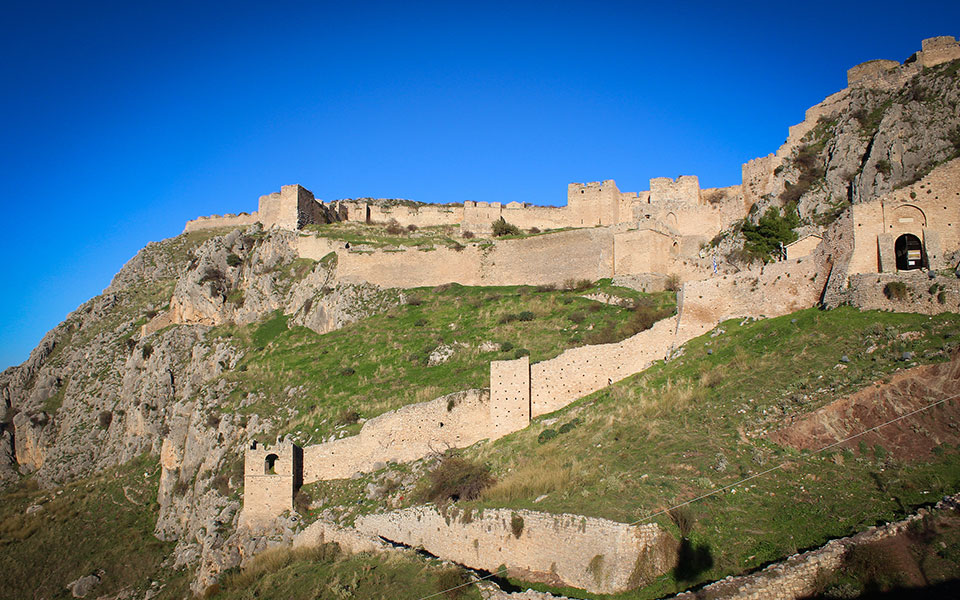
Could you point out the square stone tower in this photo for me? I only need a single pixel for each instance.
(271, 477)
(509, 395)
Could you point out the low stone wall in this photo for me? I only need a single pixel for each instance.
(796, 577)
(350, 541)
(214, 221)
(453, 421)
(593, 554)
(925, 295)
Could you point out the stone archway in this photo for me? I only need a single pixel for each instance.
(269, 464)
(908, 250)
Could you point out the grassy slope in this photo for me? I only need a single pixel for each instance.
(322, 572)
(381, 363)
(687, 427)
(102, 522)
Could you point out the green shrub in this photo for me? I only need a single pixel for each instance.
(348, 417)
(105, 418)
(501, 228)
(146, 351)
(772, 229)
(457, 479)
(577, 317)
(506, 346)
(233, 260)
(546, 435)
(516, 525)
(884, 167)
(525, 316)
(521, 352)
(895, 290)
(452, 583)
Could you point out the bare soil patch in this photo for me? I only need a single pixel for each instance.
(911, 438)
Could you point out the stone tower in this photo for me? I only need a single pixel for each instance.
(271, 476)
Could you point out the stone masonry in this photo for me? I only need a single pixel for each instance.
(597, 555)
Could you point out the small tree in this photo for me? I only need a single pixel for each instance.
(501, 228)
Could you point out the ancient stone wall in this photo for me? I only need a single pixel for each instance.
(453, 421)
(215, 221)
(872, 69)
(685, 190)
(803, 247)
(922, 294)
(429, 215)
(593, 554)
(937, 50)
(774, 290)
(551, 258)
(797, 577)
(577, 372)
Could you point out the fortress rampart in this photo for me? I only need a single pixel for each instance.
(597, 555)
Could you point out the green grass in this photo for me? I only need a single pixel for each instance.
(103, 522)
(322, 572)
(381, 363)
(693, 425)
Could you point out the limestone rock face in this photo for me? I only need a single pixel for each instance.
(105, 387)
(865, 141)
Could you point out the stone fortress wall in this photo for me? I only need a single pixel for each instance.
(597, 555)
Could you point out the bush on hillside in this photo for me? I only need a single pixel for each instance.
(501, 228)
(457, 479)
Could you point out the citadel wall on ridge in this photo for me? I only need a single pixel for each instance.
(215, 221)
(597, 555)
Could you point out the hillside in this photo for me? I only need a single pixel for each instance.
(682, 419)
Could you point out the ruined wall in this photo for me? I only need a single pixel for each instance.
(429, 215)
(644, 251)
(757, 178)
(872, 69)
(937, 50)
(267, 493)
(580, 371)
(797, 576)
(597, 555)
(684, 189)
(923, 295)
(803, 247)
(453, 421)
(214, 221)
(552, 258)
(279, 209)
(773, 290)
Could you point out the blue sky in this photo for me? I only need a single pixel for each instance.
(123, 120)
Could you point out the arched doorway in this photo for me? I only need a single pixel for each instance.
(909, 252)
(269, 464)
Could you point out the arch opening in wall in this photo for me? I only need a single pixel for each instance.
(270, 464)
(909, 252)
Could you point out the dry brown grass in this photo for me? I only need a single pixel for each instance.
(274, 559)
(534, 478)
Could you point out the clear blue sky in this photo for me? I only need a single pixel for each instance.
(123, 120)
